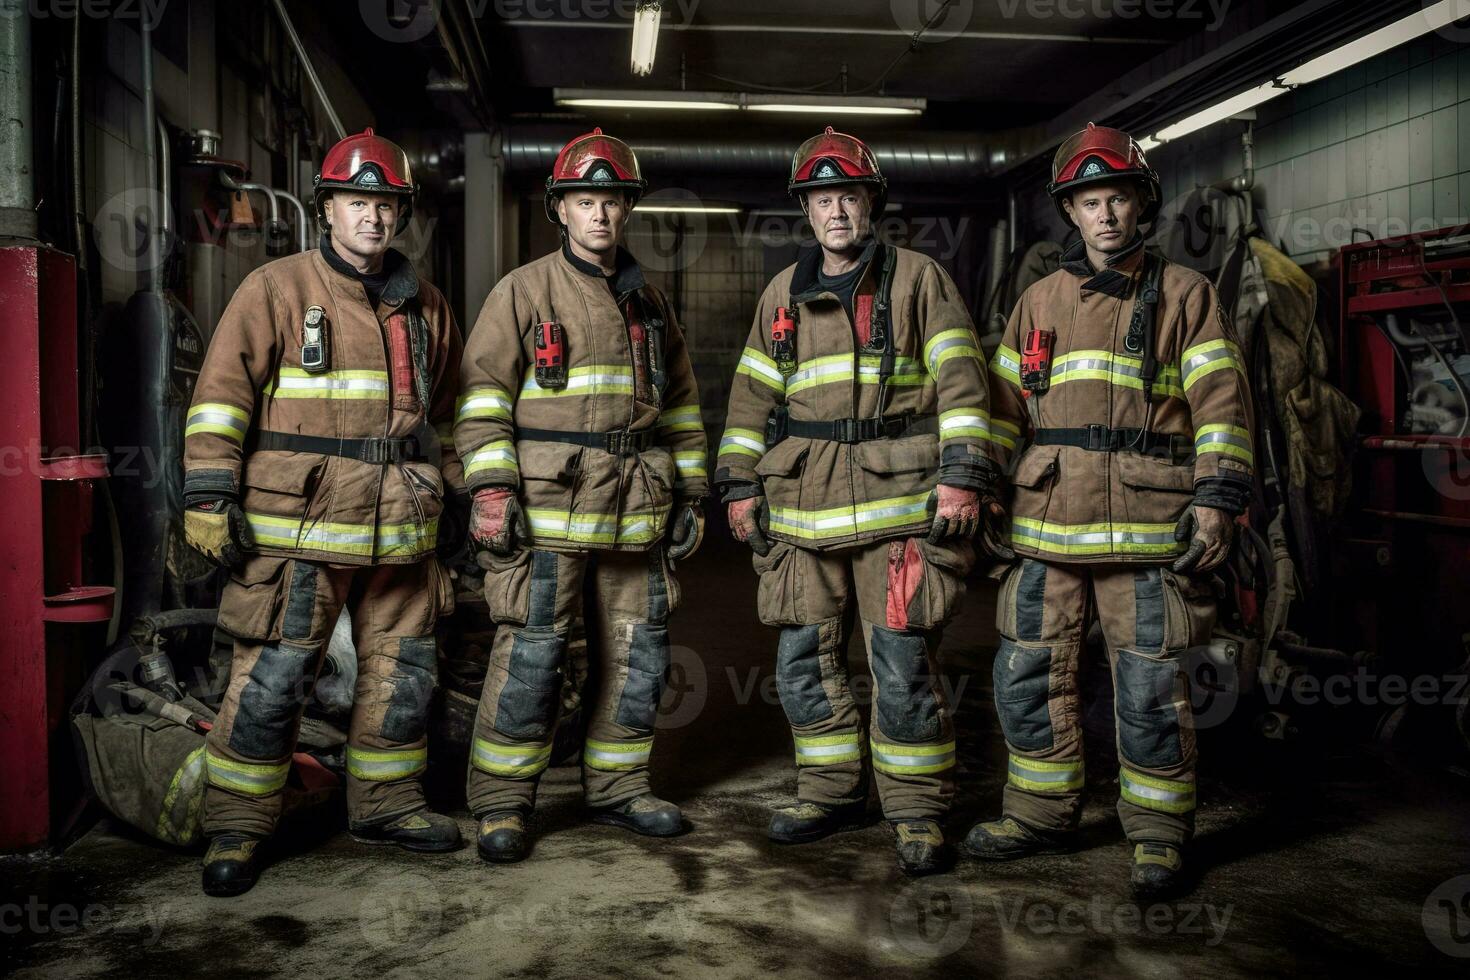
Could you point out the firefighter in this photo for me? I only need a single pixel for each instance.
(858, 461)
(580, 429)
(1126, 380)
(308, 472)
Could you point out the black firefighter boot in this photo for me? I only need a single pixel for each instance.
(1007, 839)
(806, 822)
(920, 847)
(502, 837)
(644, 814)
(231, 864)
(1158, 870)
(417, 830)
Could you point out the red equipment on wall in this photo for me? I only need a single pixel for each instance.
(46, 487)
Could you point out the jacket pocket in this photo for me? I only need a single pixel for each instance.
(657, 468)
(775, 601)
(552, 462)
(891, 457)
(252, 604)
(781, 470)
(508, 587)
(280, 486)
(940, 582)
(1034, 482)
(1153, 473)
(1189, 611)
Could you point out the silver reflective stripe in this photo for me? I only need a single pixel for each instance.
(752, 444)
(204, 416)
(823, 751)
(964, 422)
(327, 383)
(1226, 438)
(1043, 775)
(767, 372)
(937, 350)
(483, 404)
(913, 761)
(804, 375)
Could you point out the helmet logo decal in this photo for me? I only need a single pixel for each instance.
(600, 172)
(1093, 168)
(367, 177)
(826, 170)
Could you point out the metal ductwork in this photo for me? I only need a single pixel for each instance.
(920, 159)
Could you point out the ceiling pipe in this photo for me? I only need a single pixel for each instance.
(310, 69)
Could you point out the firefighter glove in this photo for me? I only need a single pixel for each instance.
(216, 527)
(956, 513)
(687, 532)
(749, 522)
(497, 524)
(1208, 531)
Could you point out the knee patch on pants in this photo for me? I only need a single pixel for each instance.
(1148, 722)
(906, 709)
(648, 664)
(1022, 680)
(264, 725)
(799, 675)
(301, 602)
(527, 704)
(407, 714)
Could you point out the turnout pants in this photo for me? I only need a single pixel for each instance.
(905, 590)
(536, 596)
(282, 612)
(1149, 616)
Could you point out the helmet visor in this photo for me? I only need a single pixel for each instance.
(849, 155)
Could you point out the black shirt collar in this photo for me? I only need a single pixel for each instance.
(402, 281)
(1115, 279)
(805, 280)
(627, 274)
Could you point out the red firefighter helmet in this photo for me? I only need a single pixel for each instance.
(594, 161)
(832, 158)
(366, 162)
(1097, 155)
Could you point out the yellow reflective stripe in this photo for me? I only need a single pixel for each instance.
(635, 528)
(1006, 365)
(955, 342)
(178, 817)
(906, 371)
(686, 418)
(757, 365)
(249, 779)
(1153, 793)
(616, 756)
(590, 379)
(386, 765)
(298, 383)
(514, 761)
(1115, 369)
(1095, 539)
(380, 540)
(1044, 777)
(838, 521)
(497, 455)
(219, 419)
(483, 402)
(691, 463)
(1231, 440)
(820, 371)
(826, 750)
(746, 442)
(912, 760)
(971, 423)
(1205, 359)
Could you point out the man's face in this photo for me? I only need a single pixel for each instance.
(1106, 215)
(594, 219)
(363, 223)
(840, 215)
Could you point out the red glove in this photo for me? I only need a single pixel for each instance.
(748, 523)
(496, 522)
(956, 513)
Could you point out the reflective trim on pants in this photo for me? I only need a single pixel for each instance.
(386, 765)
(826, 750)
(245, 778)
(615, 757)
(912, 760)
(1153, 793)
(1044, 777)
(511, 761)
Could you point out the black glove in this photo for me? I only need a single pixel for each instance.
(687, 531)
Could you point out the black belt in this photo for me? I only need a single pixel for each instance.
(1101, 439)
(365, 450)
(856, 430)
(623, 442)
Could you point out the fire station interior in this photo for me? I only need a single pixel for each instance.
(1314, 159)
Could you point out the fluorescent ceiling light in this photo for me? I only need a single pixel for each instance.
(836, 105)
(645, 35)
(686, 209)
(1431, 18)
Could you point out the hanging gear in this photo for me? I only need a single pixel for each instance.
(1036, 361)
(594, 161)
(551, 356)
(1099, 155)
(366, 162)
(832, 158)
(783, 340)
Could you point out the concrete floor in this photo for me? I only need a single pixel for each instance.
(1316, 857)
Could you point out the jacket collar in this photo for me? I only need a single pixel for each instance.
(1116, 279)
(403, 282)
(805, 286)
(627, 276)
